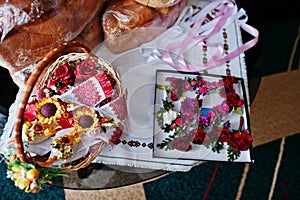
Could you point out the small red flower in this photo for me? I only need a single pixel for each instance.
(181, 144)
(240, 103)
(61, 71)
(66, 120)
(40, 94)
(228, 82)
(85, 70)
(63, 77)
(31, 112)
(174, 96)
(52, 84)
(199, 136)
(178, 121)
(203, 90)
(241, 141)
(234, 100)
(224, 135)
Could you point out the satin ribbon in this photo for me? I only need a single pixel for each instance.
(196, 28)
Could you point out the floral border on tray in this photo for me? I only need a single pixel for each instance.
(188, 125)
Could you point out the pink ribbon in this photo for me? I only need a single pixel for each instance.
(199, 32)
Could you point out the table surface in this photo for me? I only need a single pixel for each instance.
(100, 176)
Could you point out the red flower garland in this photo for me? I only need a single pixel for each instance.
(190, 127)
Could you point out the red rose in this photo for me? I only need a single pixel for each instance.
(246, 141)
(228, 82)
(61, 71)
(240, 103)
(69, 79)
(224, 135)
(64, 74)
(85, 70)
(241, 141)
(233, 99)
(174, 96)
(52, 84)
(199, 136)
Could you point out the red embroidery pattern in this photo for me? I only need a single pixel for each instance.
(116, 135)
(119, 107)
(87, 93)
(135, 143)
(105, 83)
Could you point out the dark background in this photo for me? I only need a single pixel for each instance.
(278, 25)
(8, 89)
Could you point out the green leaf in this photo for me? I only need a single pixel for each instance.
(232, 154)
(217, 147)
(238, 110)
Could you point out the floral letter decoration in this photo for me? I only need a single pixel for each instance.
(200, 111)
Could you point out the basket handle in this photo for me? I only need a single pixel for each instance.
(29, 85)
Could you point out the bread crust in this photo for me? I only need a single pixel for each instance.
(27, 44)
(158, 3)
(127, 24)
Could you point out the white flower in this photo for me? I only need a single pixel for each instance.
(34, 187)
(9, 174)
(169, 116)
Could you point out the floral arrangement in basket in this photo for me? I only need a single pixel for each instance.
(188, 125)
(73, 106)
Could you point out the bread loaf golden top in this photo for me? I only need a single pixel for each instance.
(158, 3)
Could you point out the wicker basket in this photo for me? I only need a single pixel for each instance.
(68, 52)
